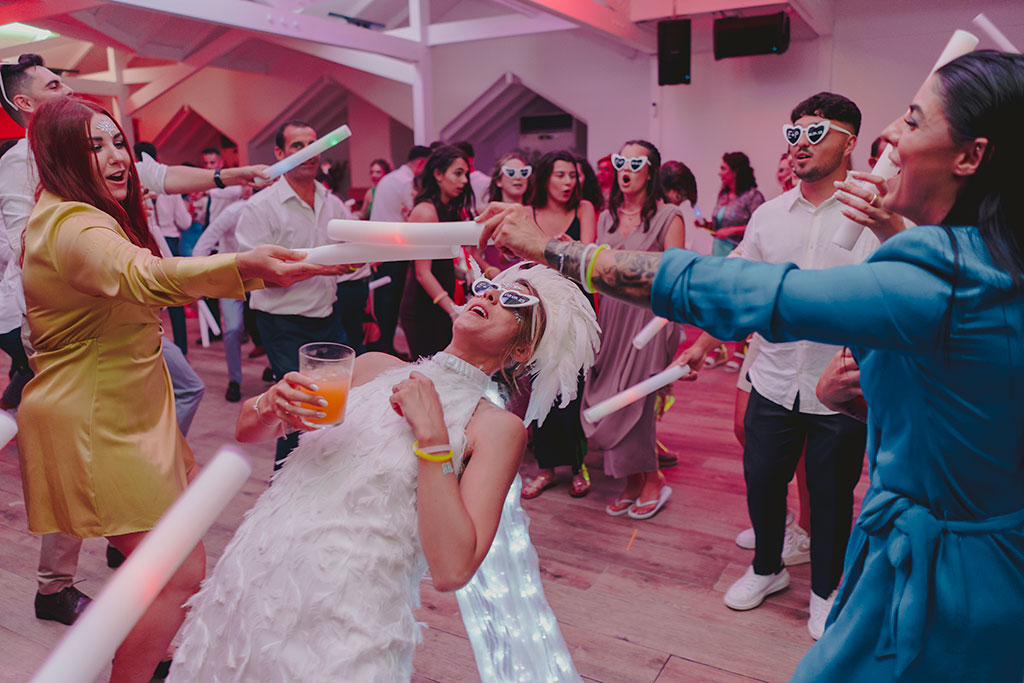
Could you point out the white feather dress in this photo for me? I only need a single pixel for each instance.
(321, 579)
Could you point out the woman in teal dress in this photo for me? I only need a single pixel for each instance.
(933, 585)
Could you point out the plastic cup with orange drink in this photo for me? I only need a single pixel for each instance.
(329, 365)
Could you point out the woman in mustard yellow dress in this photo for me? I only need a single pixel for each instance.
(101, 453)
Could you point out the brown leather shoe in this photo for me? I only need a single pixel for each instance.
(63, 606)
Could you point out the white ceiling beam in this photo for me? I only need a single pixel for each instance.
(818, 14)
(269, 20)
(132, 76)
(177, 73)
(610, 21)
(87, 87)
(378, 65)
(28, 11)
(35, 46)
(486, 28)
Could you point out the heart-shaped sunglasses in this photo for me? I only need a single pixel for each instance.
(620, 162)
(816, 132)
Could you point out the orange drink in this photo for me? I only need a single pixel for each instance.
(335, 391)
(329, 365)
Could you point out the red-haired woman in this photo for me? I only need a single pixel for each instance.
(101, 453)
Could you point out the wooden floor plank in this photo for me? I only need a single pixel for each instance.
(651, 613)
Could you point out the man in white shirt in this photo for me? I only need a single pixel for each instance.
(220, 197)
(168, 217)
(784, 413)
(294, 213)
(25, 86)
(392, 201)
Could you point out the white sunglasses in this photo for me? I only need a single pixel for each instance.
(816, 132)
(508, 298)
(619, 162)
(523, 172)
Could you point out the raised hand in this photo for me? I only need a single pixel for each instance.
(514, 231)
(417, 401)
(282, 401)
(865, 206)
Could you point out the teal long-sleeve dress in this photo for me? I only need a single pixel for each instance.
(933, 586)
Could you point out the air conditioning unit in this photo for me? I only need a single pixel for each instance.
(543, 133)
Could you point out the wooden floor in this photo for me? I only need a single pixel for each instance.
(649, 612)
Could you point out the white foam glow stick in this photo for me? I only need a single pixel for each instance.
(380, 282)
(204, 331)
(352, 252)
(982, 22)
(306, 153)
(635, 393)
(644, 336)
(206, 314)
(457, 233)
(91, 642)
(849, 232)
(8, 428)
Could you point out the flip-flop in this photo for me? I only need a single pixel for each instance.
(663, 496)
(610, 509)
(550, 484)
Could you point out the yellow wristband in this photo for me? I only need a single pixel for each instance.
(440, 296)
(444, 456)
(588, 285)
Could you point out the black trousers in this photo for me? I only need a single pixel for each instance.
(282, 336)
(834, 460)
(386, 301)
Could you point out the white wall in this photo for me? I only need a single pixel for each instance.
(878, 56)
(603, 86)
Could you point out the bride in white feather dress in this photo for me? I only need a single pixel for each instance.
(321, 579)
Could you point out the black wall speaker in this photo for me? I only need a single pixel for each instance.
(743, 36)
(674, 52)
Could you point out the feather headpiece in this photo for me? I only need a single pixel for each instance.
(569, 343)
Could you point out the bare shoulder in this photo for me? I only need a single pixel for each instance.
(369, 365)
(424, 212)
(494, 424)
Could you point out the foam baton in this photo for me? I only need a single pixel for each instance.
(982, 22)
(455, 234)
(644, 336)
(90, 644)
(306, 153)
(635, 393)
(359, 252)
(849, 231)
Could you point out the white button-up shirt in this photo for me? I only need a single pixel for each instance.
(169, 214)
(278, 216)
(393, 198)
(220, 234)
(789, 229)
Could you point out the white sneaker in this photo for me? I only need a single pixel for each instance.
(820, 607)
(751, 589)
(746, 540)
(796, 548)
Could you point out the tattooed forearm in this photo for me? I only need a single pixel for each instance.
(564, 257)
(625, 275)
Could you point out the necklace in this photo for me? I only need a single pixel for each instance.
(629, 213)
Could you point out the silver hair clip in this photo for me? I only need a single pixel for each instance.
(108, 126)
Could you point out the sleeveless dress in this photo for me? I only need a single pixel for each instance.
(320, 581)
(627, 438)
(560, 440)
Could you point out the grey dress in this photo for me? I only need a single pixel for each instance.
(627, 438)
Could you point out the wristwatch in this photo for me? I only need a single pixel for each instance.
(217, 181)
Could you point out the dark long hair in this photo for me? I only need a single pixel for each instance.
(461, 206)
(740, 164)
(590, 189)
(652, 189)
(982, 95)
(675, 175)
(537, 192)
(494, 193)
(59, 138)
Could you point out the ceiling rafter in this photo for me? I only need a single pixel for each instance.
(378, 65)
(179, 72)
(612, 20)
(485, 28)
(272, 21)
